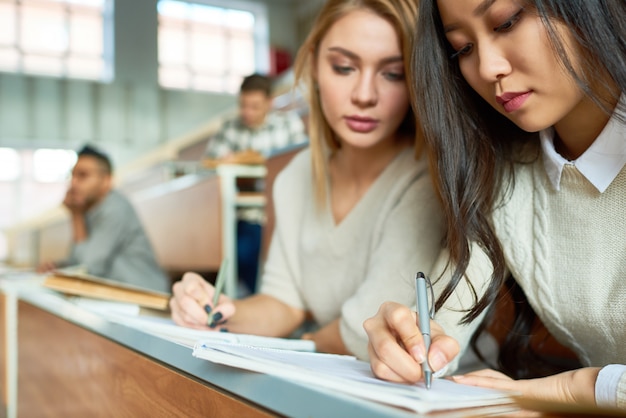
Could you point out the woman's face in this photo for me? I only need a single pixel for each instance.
(504, 53)
(360, 72)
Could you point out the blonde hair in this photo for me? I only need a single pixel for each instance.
(402, 15)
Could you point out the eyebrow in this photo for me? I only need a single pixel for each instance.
(479, 10)
(352, 55)
(483, 7)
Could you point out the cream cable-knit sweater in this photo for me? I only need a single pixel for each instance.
(571, 262)
(567, 250)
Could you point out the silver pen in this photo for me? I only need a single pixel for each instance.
(423, 312)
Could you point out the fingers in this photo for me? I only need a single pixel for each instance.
(218, 316)
(490, 373)
(180, 316)
(189, 298)
(192, 305)
(396, 347)
(443, 348)
(574, 386)
(46, 267)
(489, 379)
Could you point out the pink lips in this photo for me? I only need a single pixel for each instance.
(512, 101)
(361, 124)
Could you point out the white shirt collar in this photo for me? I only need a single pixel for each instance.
(600, 164)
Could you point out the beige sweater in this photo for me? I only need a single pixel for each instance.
(567, 250)
(347, 270)
(572, 262)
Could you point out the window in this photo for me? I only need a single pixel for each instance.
(60, 38)
(53, 165)
(32, 181)
(211, 46)
(11, 164)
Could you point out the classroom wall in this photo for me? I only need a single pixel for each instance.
(132, 114)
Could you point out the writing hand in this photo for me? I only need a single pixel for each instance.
(396, 347)
(190, 298)
(46, 267)
(576, 386)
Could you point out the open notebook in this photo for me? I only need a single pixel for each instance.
(350, 376)
(160, 324)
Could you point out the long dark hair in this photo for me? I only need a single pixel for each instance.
(473, 149)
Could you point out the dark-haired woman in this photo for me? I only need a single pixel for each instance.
(526, 128)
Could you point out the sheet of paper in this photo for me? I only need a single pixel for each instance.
(165, 328)
(348, 375)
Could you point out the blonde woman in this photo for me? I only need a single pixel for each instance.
(356, 214)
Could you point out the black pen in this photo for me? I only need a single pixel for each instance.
(423, 312)
(219, 284)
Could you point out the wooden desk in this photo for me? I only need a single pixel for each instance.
(66, 370)
(74, 363)
(70, 362)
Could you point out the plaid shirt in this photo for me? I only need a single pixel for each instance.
(280, 130)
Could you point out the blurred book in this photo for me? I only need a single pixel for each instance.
(247, 157)
(81, 284)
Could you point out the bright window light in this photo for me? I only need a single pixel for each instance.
(53, 165)
(59, 38)
(210, 45)
(10, 168)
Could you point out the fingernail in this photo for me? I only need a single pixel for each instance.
(216, 319)
(207, 308)
(437, 360)
(223, 329)
(418, 354)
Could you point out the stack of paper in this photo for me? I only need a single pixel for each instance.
(164, 327)
(350, 376)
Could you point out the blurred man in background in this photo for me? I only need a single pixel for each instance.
(108, 238)
(255, 134)
(257, 129)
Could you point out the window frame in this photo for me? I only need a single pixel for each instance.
(19, 47)
(260, 37)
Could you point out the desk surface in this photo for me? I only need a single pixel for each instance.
(265, 394)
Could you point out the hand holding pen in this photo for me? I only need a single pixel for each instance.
(215, 317)
(195, 302)
(397, 348)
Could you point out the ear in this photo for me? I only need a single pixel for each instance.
(107, 183)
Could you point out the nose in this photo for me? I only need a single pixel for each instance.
(493, 63)
(73, 181)
(365, 92)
